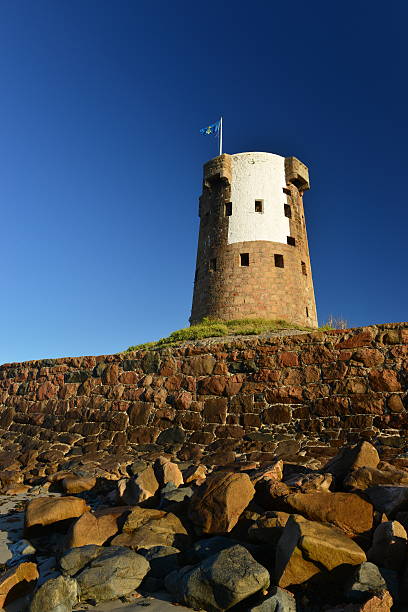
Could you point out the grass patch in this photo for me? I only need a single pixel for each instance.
(213, 328)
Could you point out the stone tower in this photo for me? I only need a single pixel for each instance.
(253, 256)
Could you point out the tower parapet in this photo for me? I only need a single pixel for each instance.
(253, 257)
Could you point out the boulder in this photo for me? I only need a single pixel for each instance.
(162, 560)
(48, 510)
(166, 530)
(96, 528)
(77, 484)
(166, 471)
(208, 547)
(365, 477)
(348, 511)
(349, 458)
(77, 558)
(309, 483)
(306, 548)
(271, 494)
(366, 581)
(195, 473)
(140, 516)
(278, 600)
(272, 471)
(389, 546)
(114, 573)
(222, 580)
(268, 528)
(135, 490)
(217, 505)
(58, 594)
(17, 581)
(170, 494)
(388, 499)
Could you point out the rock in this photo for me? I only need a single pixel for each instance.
(17, 581)
(172, 495)
(75, 559)
(140, 516)
(378, 603)
(173, 435)
(271, 494)
(348, 511)
(96, 528)
(166, 471)
(366, 581)
(195, 473)
(114, 573)
(278, 600)
(306, 548)
(365, 477)
(388, 499)
(48, 510)
(268, 528)
(136, 490)
(166, 530)
(208, 547)
(21, 548)
(273, 471)
(217, 505)
(58, 594)
(389, 545)
(162, 559)
(222, 580)
(349, 458)
(309, 483)
(77, 484)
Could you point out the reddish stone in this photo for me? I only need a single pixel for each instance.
(189, 420)
(285, 395)
(183, 400)
(142, 435)
(230, 431)
(384, 380)
(128, 378)
(331, 406)
(268, 375)
(369, 357)
(395, 404)
(362, 338)
(46, 391)
(139, 413)
(288, 359)
(242, 403)
(312, 374)
(318, 354)
(334, 371)
(276, 415)
(110, 374)
(215, 410)
(251, 420)
(212, 385)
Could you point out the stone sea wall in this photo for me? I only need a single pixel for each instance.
(247, 399)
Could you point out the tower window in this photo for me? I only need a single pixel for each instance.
(213, 264)
(279, 263)
(290, 240)
(244, 259)
(307, 312)
(286, 190)
(228, 209)
(259, 206)
(288, 211)
(304, 268)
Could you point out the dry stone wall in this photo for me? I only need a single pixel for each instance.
(240, 399)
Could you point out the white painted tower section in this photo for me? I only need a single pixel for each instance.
(258, 176)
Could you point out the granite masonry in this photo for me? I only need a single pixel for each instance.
(218, 401)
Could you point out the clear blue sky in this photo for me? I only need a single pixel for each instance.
(101, 158)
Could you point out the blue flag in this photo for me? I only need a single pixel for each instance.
(211, 129)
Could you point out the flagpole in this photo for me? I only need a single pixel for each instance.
(221, 136)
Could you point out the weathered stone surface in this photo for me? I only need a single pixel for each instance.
(47, 510)
(114, 573)
(58, 594)
(77, 558)
(166, 471)
(95, 528)
(162, 560)
(348, 511)
(307, 548)
(389, 546)
(17, 581)
(78, 484)
(222, 580)
(271, 494)
(308, 483)
(366, 580)
(195, 473)
(388, 499)
(364, 477)
(268, 528)
(218, 503)
(165, 530)
(278, 600)
(136, 490)
(362, 454)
